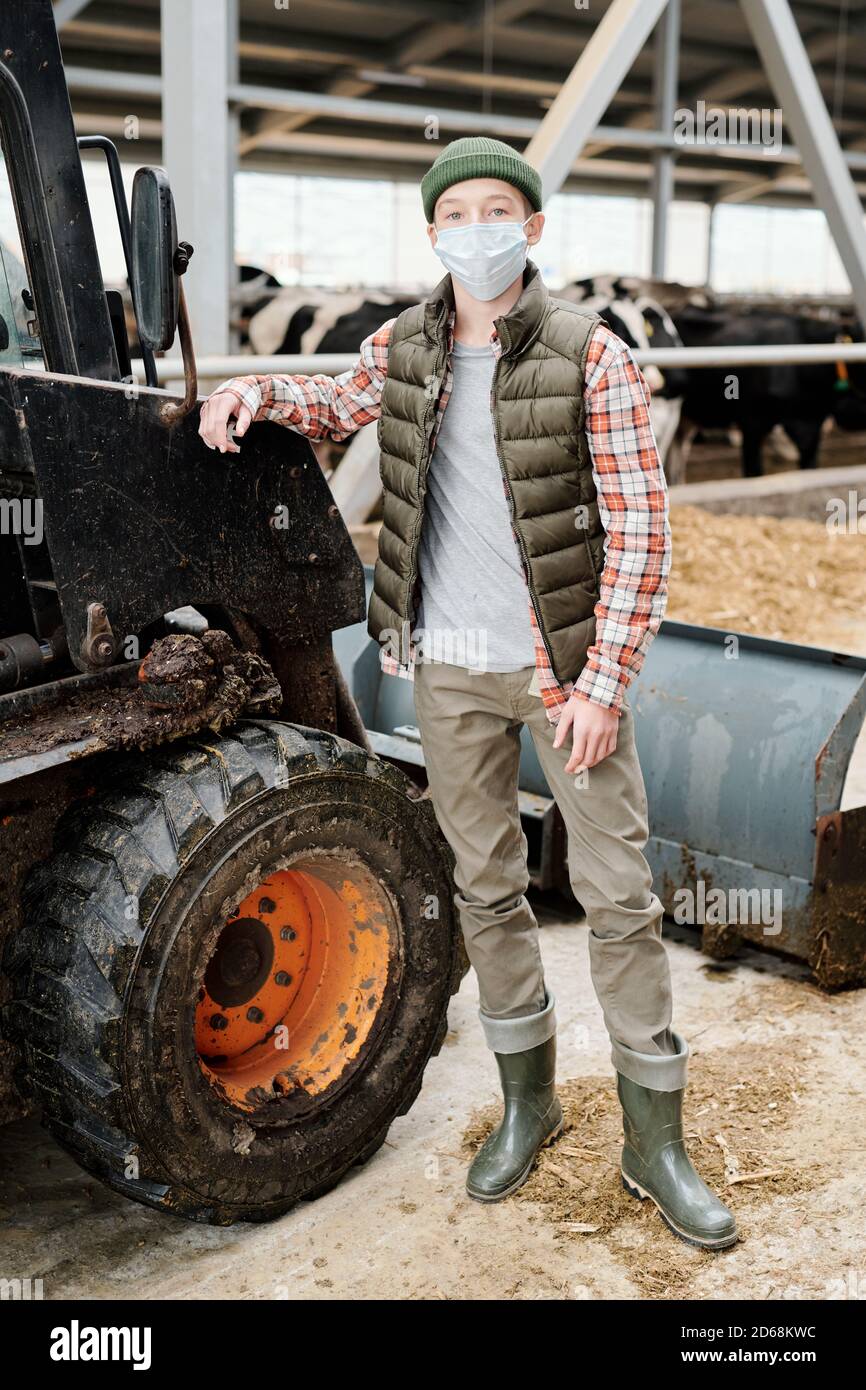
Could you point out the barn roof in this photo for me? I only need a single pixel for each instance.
(357, 78)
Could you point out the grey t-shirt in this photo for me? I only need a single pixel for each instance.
(474, 609)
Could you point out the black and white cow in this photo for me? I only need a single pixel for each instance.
(642, 322)
(311, 320)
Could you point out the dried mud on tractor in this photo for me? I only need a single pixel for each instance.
(184, 684)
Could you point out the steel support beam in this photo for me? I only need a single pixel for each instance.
(793, 80)
(199, 44)
(67, 10)
(590, 87)
(233, 131)
(711, 246)
(665, 84)
(112, 82)
(379, 112)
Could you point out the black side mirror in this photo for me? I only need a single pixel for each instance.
(155, 266)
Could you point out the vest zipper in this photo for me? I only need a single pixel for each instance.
(514, 523)
(422, 492)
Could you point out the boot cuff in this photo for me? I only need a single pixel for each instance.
(655, 1072)
(520, 1034)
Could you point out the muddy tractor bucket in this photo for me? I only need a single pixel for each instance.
(745, 745)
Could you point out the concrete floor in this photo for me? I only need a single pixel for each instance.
(778, 1092)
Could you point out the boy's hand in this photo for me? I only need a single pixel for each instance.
(219, 412)
(594, 730)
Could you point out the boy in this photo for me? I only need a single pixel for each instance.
(522, 570)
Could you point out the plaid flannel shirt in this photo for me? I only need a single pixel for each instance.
(629, 481)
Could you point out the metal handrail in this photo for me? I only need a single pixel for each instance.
(332, 363)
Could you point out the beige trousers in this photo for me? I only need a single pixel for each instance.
(470, 728)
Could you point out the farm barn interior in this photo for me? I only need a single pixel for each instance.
(216, 820)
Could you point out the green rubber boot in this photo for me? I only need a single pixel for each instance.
(533, 1118)
(655, 1165)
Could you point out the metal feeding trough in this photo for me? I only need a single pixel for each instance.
(745, 744)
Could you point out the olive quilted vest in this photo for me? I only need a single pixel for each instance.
(538, 414)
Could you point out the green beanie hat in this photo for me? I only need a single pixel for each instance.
(479, 157)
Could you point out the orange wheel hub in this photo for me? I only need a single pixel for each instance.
(292, 990)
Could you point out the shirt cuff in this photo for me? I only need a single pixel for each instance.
(602, 686)
(246, 389)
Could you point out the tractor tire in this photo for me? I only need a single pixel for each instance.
(235, 969)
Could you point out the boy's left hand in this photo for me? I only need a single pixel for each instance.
(594, 730)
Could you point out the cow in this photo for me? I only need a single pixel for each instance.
(317, 321)
(642, 322)
(253, 293)
(306, 322)
(799, 397)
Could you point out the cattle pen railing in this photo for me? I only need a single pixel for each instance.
(332, 363)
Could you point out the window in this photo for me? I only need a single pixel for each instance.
(19, 343)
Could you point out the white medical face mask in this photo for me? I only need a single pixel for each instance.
(486, 257)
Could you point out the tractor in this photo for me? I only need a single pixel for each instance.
(227, 931)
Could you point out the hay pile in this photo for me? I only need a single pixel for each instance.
(783, 578)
